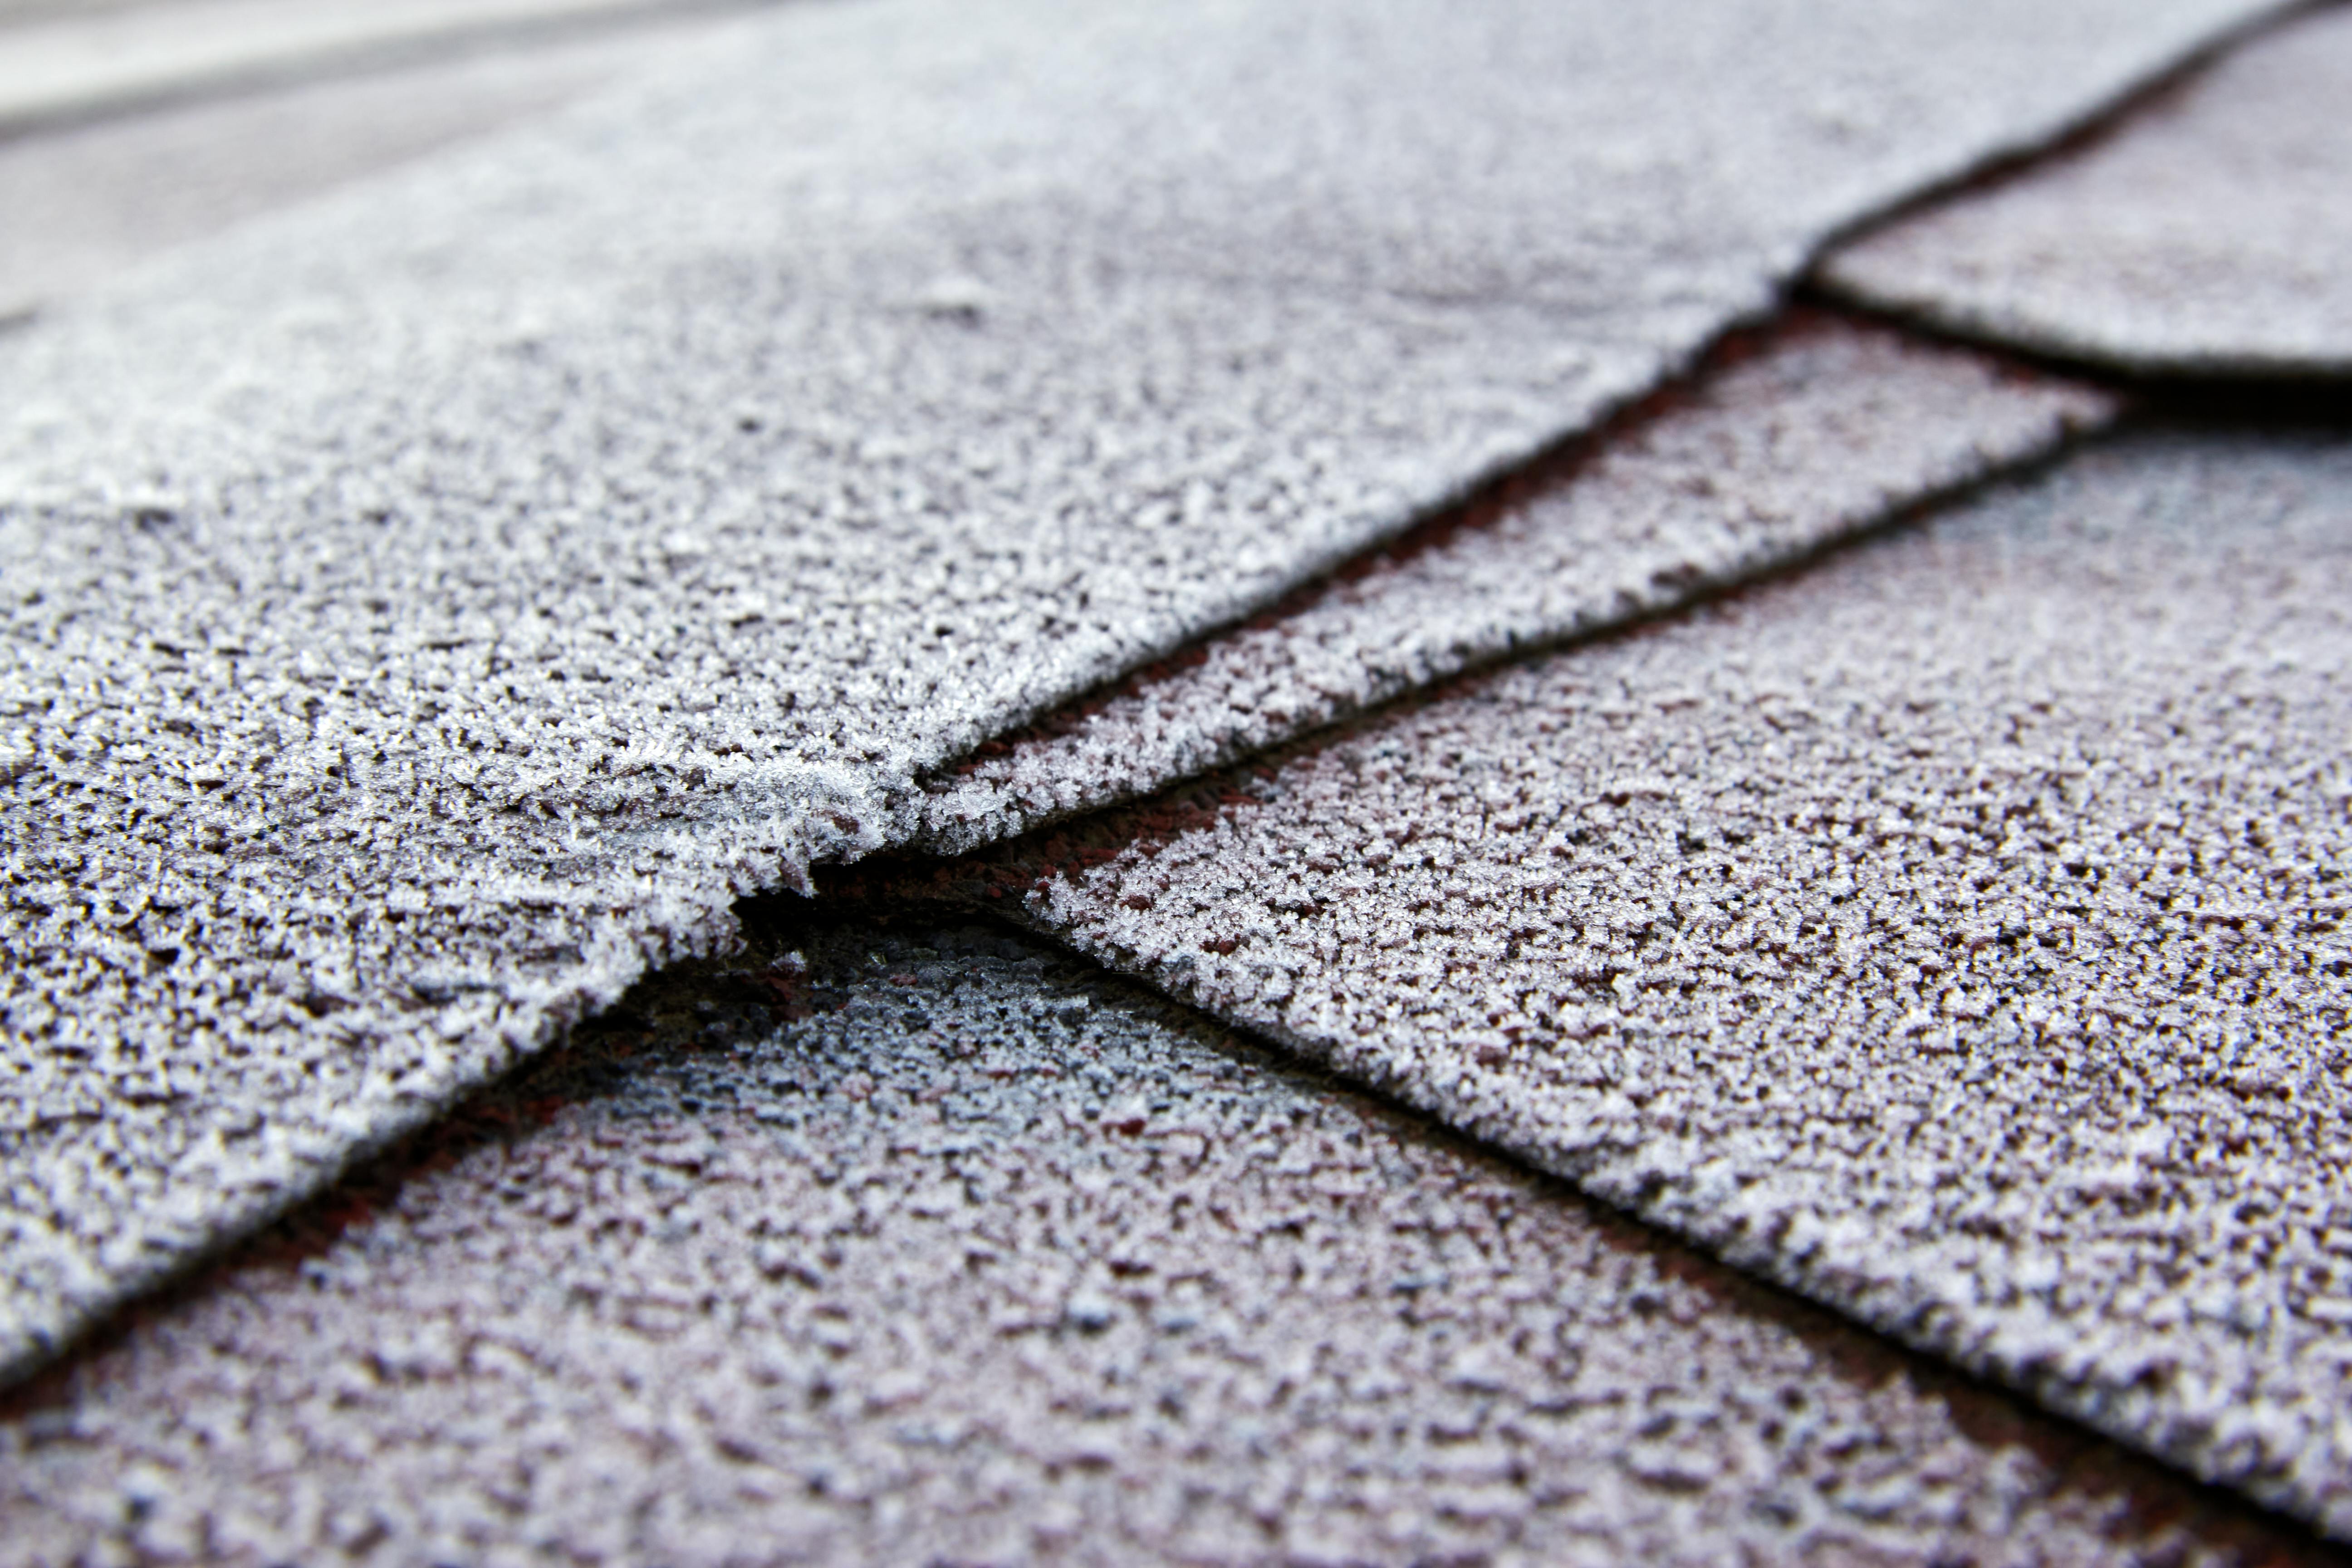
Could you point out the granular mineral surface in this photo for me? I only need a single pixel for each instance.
(1956, 931)
(930, 1245)
(427, 608)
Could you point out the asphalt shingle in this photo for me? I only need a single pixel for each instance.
(2202, 234)
(427, 610)
(1956, 932)
(1790, 441)
(987, 1257)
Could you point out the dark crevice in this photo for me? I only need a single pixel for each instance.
(674, 1035)
(2315, 403)
(2319, 399)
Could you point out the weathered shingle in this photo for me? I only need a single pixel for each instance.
(1956, 932)
(1789, 442)
(427, 610)
(2203, 234)
(987, 1257)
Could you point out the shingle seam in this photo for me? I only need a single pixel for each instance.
(2185, 237)
(2069, 409)
(2085, 132)
(774, 819)
(1016, 880)
(995, 794)
(512, 1110)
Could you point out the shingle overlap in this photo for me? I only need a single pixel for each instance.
(1955, 931)
(2203, 234)
(988, 1258)
(429, 609)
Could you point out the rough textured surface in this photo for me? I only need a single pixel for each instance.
(85, 203)
(989, 1259)
(1956, 932)
(1788, 440)
(2205, 232)
(426, 611)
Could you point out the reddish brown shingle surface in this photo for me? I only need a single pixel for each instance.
(1956, 931)
(988, 1259)
(2202, 234)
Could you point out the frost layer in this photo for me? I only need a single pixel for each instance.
(2203, 234)
(428, 609)
(985, 1256)
(1957, 933)
(1792, 441)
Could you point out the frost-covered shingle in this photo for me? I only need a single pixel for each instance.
(990, 1258)
(2202, 234)
(425, 611)
(1957, 932)
(1797, 437)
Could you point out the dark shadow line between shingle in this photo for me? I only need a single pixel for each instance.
(2314, 402)
(2087, 131)
(1554, 470)
(1792, 297)
(2080, 1457)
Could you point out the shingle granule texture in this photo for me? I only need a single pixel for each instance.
(1957, 933)
(429, 609)
(988, 1257)
(2205, 232)
(1800, 436)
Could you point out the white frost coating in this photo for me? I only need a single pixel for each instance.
(1957, 933)
(1813, 433)
(990, 1258)
(2204, 234)
(423, 610)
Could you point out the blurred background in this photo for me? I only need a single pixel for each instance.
(128, 126)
